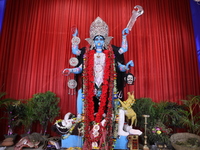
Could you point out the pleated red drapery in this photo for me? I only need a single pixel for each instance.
(35, 46)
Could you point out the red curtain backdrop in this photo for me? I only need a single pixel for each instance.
(35, 46)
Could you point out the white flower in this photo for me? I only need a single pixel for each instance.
(95, 133)
(94, 144)
(96, 127)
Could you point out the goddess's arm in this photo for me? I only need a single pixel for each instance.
(124, 45)
(75, 41)
(76, 70)
(138, 10)
(123, 68)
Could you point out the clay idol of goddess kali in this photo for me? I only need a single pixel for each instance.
(102, 68)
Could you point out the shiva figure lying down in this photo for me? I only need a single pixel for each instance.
(72, 125)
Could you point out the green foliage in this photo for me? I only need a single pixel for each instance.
(169, 113)
(13, 111)
(4, 102)
(159, 133)
(162, 116)
(144, 106)
(46, 108)
(28, 115)
(191, 119)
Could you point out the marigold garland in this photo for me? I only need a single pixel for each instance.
(89, 87)
(108, 90)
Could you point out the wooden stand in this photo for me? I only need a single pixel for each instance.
(133, 142)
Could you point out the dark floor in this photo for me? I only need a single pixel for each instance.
(40, 148)
(12, 148)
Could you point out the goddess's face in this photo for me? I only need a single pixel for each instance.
(99, 41)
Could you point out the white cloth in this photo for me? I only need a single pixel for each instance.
(99, 64)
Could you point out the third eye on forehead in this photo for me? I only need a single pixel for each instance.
(98, 38)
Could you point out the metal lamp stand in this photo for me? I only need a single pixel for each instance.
(145, 147)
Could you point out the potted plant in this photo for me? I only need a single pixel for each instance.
(191, 121)
(46, 107)
(144, 106)
(162, 117)
(4, 101)
(159, 134)
(13, 111)
(28, 116)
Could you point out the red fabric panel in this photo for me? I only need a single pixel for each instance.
(35, 46)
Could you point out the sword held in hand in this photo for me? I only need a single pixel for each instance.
(137, 11)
